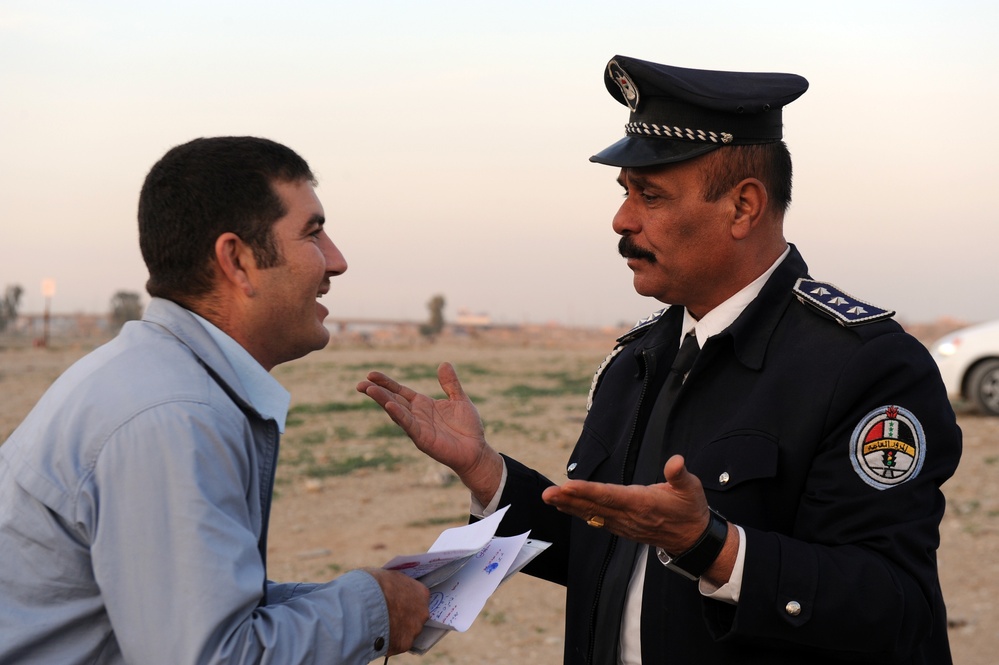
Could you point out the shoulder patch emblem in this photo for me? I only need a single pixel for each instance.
(842, 307)
(888, 447)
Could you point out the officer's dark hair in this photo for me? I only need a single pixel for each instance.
(770, 163)
(202, 189)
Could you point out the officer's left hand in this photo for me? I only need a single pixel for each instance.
(670, 515)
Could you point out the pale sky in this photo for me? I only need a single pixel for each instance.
(451, 140)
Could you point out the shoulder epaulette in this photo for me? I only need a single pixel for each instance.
(641, 327)
(840, 306)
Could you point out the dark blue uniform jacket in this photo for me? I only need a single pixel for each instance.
(768, 420)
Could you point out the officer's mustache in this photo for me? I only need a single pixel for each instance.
(629, 250)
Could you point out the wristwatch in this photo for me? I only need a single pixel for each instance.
(695, 562)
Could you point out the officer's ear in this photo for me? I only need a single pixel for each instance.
(749, 199)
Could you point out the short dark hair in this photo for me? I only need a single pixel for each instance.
(202, 189)
(770, 163)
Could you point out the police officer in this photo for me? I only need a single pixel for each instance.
(758, 476)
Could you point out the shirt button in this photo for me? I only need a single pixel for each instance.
(793, 608)
(723, 478)
(379, 643)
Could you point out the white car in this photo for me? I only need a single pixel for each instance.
(969, 364)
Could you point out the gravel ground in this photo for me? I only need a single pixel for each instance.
(352, 493)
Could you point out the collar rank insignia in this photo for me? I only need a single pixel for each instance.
(637, 331)
(840, 306)
(888, 447)
(639, 328)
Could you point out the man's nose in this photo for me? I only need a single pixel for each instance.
(336, 264)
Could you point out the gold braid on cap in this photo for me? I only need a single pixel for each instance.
(652, 129)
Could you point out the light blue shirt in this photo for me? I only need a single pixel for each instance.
(266, 395)
(134, 502)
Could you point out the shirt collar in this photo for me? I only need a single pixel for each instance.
(723, 315)
(266, 395)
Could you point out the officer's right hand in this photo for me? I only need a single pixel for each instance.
(448, 430)
(408, 607)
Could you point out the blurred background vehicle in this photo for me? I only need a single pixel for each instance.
(969, 364)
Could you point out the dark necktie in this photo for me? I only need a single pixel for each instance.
(651, 455)
(647, 469)
(654, 612)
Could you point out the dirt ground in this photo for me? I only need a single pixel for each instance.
(351, 492)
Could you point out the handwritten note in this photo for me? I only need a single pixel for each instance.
(455, 602)
(462, 569)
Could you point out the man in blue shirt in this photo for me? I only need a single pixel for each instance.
(134, 498)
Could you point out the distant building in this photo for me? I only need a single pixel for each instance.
(466, 318)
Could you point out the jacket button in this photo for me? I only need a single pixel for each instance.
(724, 478)
(571, 468)
(793, 608)
(379, 643)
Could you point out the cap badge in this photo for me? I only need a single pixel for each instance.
(888, 447)
(628, 88)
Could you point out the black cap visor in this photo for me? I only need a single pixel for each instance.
(638, 151)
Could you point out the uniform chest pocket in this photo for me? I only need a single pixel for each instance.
(735, 459)
(590, 452)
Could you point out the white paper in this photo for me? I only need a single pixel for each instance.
(450, 547)
(462, 569)
(531, 549)
(471, 536)
(432, 633)
(455, 602)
